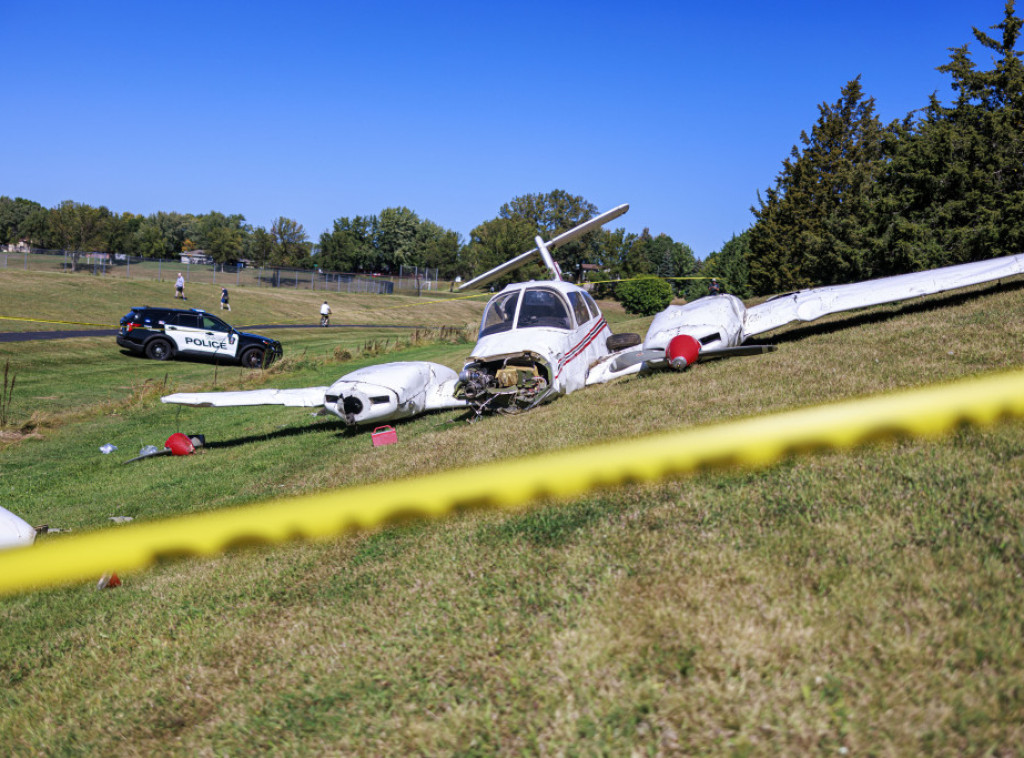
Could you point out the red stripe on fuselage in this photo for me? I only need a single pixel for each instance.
(575, 352)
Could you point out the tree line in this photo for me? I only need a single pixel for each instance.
(380, 243)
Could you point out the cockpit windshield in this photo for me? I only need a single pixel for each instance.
(543, 307)
(499, 314)
(540, 307)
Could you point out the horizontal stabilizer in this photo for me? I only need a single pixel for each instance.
(302, 397)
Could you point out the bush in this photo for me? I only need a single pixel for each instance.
(644, 296)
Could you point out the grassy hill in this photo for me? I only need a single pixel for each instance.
(870, 601)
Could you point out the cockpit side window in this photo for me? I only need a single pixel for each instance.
(543, 308)
(579, 307)
(592, 305)
(499, 314)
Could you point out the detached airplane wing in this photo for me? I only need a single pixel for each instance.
(811, 304)
(302, 397)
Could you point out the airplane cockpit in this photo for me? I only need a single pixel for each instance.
(534, 307)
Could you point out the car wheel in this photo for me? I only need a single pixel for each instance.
(159, 350)
(252, 358)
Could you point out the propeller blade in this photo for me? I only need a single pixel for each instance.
(735, 352)
(637, 356)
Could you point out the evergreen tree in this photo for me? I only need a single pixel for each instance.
(730, 266)
(955, 188)
(815, 226)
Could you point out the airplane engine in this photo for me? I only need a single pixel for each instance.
(390, 391)
(509, 385)
(682, 351)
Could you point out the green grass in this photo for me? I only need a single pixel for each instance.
(869, 600)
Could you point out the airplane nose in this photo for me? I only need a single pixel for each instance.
(682, 351)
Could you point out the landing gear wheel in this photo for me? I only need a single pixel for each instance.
(159, 350)
(252, 358)
(618, 342)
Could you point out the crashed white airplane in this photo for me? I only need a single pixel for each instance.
(542, 339)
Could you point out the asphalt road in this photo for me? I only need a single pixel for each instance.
(69, 333)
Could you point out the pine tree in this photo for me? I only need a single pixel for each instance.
(815, 227)
(955, 189)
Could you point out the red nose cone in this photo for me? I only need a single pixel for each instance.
(682, 351)
(179, 444)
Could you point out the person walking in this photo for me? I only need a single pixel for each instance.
(179, 287)
(224, 304)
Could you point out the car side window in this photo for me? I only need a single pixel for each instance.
(215, 324)
(187, 319)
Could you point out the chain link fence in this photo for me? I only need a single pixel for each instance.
(410, 278)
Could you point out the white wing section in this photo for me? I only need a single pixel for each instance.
(14, 531)
(302, 397)
(811, 304)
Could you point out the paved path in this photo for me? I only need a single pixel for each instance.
(69, 333)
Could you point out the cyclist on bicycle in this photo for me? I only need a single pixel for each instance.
(325, 314)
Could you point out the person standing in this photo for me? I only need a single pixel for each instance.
(179, 288)
(224, 305)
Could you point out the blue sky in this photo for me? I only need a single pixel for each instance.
(320, 110)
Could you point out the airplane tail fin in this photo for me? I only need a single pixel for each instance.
(543, 250)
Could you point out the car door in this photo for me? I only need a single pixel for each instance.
(200, 333)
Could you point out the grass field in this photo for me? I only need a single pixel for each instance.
(867, 602)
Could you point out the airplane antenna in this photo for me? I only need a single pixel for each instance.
(511, 265)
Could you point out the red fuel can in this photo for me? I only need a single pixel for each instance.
(384, 435)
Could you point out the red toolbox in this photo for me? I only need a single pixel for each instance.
(384, 435)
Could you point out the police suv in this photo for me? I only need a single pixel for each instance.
(162, 333)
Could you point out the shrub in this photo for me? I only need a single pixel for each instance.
(644, 296)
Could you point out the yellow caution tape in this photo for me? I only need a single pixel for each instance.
(437, 300)
(673, 278)
(756, 441)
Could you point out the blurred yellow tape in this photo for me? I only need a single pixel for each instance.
(750, 442)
